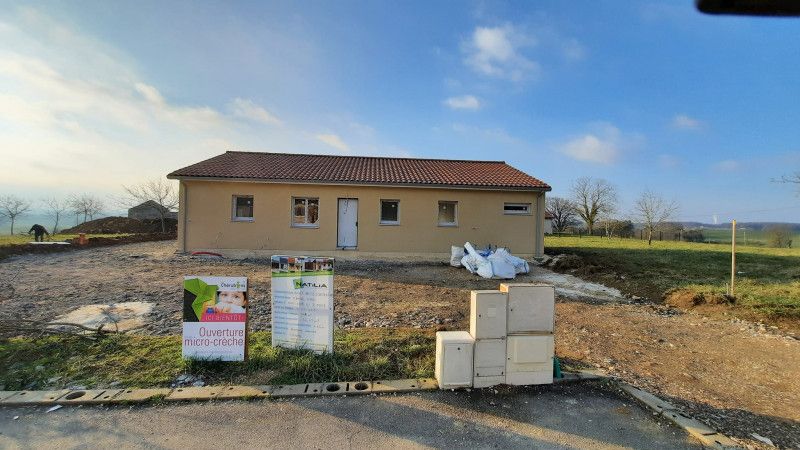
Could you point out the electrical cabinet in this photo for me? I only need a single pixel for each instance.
(489, 362)
(529, 359)
(454, 359)
(487, 314)
(531, 307)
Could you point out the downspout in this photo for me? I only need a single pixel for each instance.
(539, 238)
(184, 209)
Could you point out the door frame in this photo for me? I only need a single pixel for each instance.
(337, 223)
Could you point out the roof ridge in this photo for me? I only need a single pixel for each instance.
(406, 158)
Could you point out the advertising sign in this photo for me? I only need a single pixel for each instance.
(215, 318)
(302, 302)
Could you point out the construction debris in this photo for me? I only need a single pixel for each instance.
(490, 263)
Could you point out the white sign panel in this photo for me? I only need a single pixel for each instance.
(302, 303)
(215, 318)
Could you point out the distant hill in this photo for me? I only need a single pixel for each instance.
(758, 226)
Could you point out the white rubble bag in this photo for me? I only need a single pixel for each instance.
(499, 264)
(456, 254)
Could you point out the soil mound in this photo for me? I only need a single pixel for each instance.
(110, 225)
(687, 298)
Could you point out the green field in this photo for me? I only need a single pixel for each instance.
(743, 237)
(8, 239)
(150, 361)
(768, 280)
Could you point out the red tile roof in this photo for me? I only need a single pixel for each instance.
(288, 167)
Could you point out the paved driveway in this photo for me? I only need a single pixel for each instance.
(576, 416)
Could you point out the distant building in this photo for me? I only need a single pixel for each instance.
(150, 210)
(548, 223)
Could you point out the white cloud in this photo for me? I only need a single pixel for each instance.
(334, 141)
(604, 144)
(495, 52)
(684, 122)
(247, 109)
(469, 102)
(728, 165)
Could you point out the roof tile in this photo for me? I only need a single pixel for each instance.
(360, 170)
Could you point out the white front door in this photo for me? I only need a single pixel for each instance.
(348, 223)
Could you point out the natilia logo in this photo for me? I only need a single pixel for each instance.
(298, 284)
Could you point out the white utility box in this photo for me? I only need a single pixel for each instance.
(529, 359)
(531, 307)
(454, 359)
(487, 314)
(490, 362)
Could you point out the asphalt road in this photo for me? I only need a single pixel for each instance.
(574, 416)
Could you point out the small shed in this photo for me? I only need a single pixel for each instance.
(150, 210)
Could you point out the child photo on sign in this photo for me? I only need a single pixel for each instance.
(230, 302)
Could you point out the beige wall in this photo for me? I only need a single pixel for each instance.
(205, 220)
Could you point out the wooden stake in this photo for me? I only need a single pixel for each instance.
(733, 256)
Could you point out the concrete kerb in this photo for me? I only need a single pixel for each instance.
(705, 434)
(207, 393)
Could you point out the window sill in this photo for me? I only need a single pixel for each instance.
(294, 225)
(389, 224)
(243, 219)
(448, 225)
(517, 214)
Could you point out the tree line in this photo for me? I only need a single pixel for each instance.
(86, 207)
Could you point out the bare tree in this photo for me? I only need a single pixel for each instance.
(159, 193)
(594, 198)
(56, 209)
(793, 179)
(653, 211)
(12, 207)
(86, 205)
(563, 211)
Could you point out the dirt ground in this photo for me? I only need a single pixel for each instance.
(740, 377)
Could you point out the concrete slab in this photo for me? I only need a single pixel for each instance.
(88, 396)
(650, 400)
(328, 388)
(116, 316)
(359, 387)
(5, 394)
(290, 390)
(227, 392)
(34, 397)
(193, 393)
(428, 384)
(405, 385)
(140, 395)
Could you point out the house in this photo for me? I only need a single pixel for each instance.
(548, 223)
(150, 210)
(262, 204)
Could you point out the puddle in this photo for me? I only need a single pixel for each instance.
(116, 316)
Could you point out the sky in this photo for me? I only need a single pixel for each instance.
(647, 95)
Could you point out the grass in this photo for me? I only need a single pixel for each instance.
(150, 361)
(768, 280)
(746, 237)
(9, 239)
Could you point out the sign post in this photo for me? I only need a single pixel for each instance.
(215, 318)
(302, 303)
(733, 255)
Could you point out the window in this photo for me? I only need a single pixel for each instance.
(448, 214)
(517, 208)
(390, 212)
(242, 208)
(305, 212)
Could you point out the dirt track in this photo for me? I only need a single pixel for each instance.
(733, 375)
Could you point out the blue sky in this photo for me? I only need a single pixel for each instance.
(649, 95)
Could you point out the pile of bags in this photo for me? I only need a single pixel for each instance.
(488, 263)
